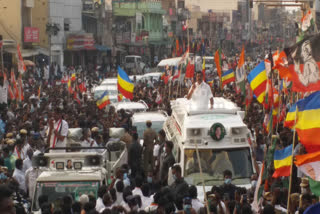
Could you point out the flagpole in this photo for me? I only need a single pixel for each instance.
(202, 179)
(291, 167)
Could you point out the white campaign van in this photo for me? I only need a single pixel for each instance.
(222, 140)
(109, 81)
(133, 62)
(133, 107)
(156, 117)
(79, 170)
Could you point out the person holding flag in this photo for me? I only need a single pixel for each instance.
(200, 93)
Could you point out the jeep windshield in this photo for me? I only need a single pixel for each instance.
(57, 190)
(215, 162)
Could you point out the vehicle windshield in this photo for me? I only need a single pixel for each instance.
(98, 94)
(57, 190)
(129, 59)
(215, 162)
(141, 126)
(209, 61)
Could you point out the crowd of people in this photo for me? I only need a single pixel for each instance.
(41, 120)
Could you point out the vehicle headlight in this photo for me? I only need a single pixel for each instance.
(236, 131)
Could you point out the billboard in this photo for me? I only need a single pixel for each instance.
(31, 34)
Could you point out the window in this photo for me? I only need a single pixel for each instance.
(67, 24)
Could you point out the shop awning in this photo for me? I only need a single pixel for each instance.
(24, 52)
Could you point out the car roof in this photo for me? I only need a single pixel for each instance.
(133, 56)
(105, 87)
(109, 80)
(152, 116)
(129, 105)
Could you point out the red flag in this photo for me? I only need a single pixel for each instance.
(189, 70)
(21, 66)
(217, 59)
(177, 47)
(82, 87)
(76, 97)
(11, 94)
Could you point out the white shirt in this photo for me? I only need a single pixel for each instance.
(4, 93)
(89, 143)
(27, 163)
(63, 131)
(99, 204)
(19, 176)
(31, 177)
(201, 96)
(146, 202)
(196, 205)
(21, 154)
(137, 191)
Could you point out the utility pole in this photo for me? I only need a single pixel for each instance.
(52, 29)
(2, 62)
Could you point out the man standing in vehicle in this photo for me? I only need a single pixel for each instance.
(200, 93)
(149, 137)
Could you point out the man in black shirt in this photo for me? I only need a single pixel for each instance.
(134, 155)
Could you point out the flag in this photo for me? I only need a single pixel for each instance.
(308, 121)
(309, 164)
(82, 87)
(304, 65)
(65, 79)
(20, 88)
(283, 87)
(217, 59)
(177, 47)
(120, 97)
(11, 94)
(249, 95)
(76, 97)
(103, 101)
(258, 81)
(306, 21)
(21, 66)
(282, 162)
(268, 122)
(125, 86)
(189, 70)
(176, 75)
(291, 117)
(240, 73)
(227, 77)
(70, 86)
(73, 77)
(204, 69)
(210, 83)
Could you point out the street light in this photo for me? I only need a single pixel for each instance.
(52, 29)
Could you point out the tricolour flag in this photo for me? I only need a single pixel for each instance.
(73, 77)
(291, 117)
(227, 77)
(240, 72)
(103, 101)
(258, 81)
(308, 122)
(20, 88)
(306, 21)
(217, 59)
(120, 97)
(282, 162)
(125, 86)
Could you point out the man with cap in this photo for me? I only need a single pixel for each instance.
(23, 135)
(58, 131)
(149, 138)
